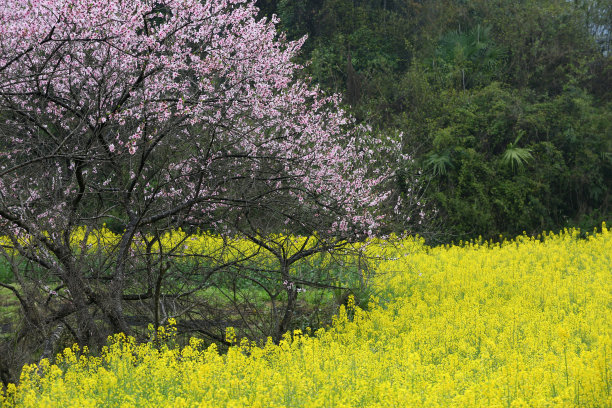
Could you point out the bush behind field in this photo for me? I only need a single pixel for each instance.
(520, 323)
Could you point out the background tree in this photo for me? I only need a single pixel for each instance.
(461, 80)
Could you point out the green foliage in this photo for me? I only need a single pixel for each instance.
(440, 164)
(506, 105)
(516, 156)
(468, 59)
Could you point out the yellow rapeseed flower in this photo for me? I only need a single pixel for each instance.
(522, 323)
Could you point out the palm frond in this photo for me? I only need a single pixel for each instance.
(516, 156)
(439, 163)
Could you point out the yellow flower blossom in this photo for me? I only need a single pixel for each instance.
(522, 323)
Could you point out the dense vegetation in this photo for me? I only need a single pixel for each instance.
(507, 105)
(204, 166)
(525, 323)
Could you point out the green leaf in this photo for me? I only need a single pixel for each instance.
(439, 163)
(515, 156)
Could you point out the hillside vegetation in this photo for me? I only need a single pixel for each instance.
(506, 106)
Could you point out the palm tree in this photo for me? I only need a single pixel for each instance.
(515, 156)
(439, 163)
(471, 54)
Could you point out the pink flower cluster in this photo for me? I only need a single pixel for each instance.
(174, 104)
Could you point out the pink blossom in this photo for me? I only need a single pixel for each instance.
(206, 95)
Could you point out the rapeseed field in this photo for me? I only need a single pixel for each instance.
(523, 323)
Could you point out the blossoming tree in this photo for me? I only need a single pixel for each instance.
(152, 115)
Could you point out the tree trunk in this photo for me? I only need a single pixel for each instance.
(50, 343)
(87, 330)
(288, 315)
(283, 325)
